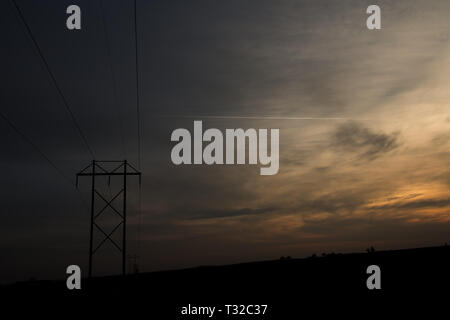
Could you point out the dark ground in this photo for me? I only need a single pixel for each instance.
(288, 286)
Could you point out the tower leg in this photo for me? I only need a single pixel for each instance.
(91, 239)
(124, 240)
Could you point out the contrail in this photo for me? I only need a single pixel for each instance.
(255, 117)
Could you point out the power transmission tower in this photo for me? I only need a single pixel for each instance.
(96, 169)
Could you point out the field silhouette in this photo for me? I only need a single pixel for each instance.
(285, 284)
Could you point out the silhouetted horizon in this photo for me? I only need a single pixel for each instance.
(368, 251)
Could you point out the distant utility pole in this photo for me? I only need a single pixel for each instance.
(132, 264)
(95, 169)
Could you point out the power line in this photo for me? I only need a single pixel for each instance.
(113, 76)
(138, 127)
(47, 66)
(38, 150)
(24, 137)
(137, 86)
(114, 84)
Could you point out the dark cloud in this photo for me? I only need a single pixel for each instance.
(209, 214)
(425, 203)
(338, 202)
(367, 143)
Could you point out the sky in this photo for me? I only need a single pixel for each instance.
(376, 174)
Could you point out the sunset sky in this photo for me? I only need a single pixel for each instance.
(371, 168)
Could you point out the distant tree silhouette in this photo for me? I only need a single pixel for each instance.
(370, 250)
